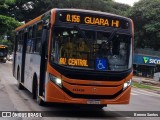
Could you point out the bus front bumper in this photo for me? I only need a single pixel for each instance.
(56, 94)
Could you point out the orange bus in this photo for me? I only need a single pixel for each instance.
(75, 56)
(3, 53)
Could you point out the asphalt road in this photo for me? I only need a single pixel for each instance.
(11, 99)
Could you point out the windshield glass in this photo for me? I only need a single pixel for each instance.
(3, 52)
(86, 49)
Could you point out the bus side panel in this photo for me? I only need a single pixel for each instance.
(14, 65)
(32, 65)
(23, 57)
(27, 71)
(18, 63)
(14, 57)
(35, 64)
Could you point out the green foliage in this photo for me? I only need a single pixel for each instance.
(10, 1)
(7, 24)
(143, 86)
(3, 8)
(21, 10)
(146, 17)
(116, 8)
(2, 2)
(98, 5)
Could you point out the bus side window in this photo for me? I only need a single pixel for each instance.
(19, 49)
(17, 38)
(29, 40)
(33, 47)
(38, 37)
(16, 43)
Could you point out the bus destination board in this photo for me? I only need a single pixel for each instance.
(93, 19)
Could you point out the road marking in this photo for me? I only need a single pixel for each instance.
(148, 92)
(134, 94)
(143, 92)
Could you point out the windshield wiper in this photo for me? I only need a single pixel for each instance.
(112, 35)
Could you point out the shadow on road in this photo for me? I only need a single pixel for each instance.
(67, 110)
(80, 111)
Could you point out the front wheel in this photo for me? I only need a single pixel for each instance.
(98, 107)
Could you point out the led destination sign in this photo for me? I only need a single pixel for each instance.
(88, 19)
(73, 62)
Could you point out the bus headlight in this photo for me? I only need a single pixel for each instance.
(5, 58)
(127, 84)
(56, 80)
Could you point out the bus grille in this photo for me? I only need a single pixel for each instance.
(91, 96)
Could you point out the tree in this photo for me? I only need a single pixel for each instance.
(98, 5)
(22, 9)
(25, 10)
(7, 24)
(146, 17)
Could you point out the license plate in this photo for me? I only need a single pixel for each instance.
(93, 102)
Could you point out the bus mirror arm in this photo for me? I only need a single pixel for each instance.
(46, 57)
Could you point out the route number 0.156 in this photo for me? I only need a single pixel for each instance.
(73, 18)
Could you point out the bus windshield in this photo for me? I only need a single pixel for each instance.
(88, 49)
(3, 52)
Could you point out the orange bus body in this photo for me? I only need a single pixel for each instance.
(81, 91)
(83, 87)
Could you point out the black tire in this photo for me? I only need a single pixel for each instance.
(98, 107)
(34, 88)
(20, 86)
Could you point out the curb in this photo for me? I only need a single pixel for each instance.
(149, 90)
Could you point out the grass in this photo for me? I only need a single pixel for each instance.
(142, 86)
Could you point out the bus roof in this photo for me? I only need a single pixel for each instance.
(69, 9)
(3, 46)
(29, 23)
(89, 11)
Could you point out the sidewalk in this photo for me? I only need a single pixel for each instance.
(149, 82)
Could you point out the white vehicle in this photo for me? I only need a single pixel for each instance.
(157, 76)
(10, 57)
